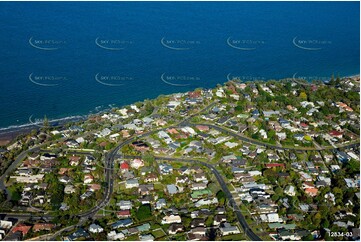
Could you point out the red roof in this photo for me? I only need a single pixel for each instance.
(43, 226)
(124, 213)
(304, 125)
(124, 166)
(95, 186)
(275, 165)
(74, 158)
(335, 133)
(194, 94)
(312, 191)
(24, 229)
(103, 144)
(172, 131)
(202, 127)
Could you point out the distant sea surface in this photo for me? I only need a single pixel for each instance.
(63, 59)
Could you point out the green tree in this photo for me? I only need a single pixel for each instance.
(308, 237)
(303, 96)
(221, 196)
(144, 212)
(353, 166)
(2, 196)
(45, 121)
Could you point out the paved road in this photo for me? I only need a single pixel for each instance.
(248, 231)
(109, 169)
(22, 156)
(260, 143)
(12, 167)
(185, 121)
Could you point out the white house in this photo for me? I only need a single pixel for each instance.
(125, 204)
(290, 191)
(136, 163)
(227, 229)
(281, 136)
(206, 202)
(231, 144)
(113, 235)
(255, 173)
(131, 183)
(88, 179)
(95, 228)
(273, 217)
(188, 130)
(171, 219)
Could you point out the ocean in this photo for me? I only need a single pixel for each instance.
(63, 59)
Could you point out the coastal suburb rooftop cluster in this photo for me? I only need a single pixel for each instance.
(275, 160)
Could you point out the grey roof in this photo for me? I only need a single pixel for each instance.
(172, 189)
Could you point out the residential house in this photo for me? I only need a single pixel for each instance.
(171, 219)
(152, 177)
(160, 203)
(219, 218)
(43, 226)
(227, 229)
(95, 228)
(198, 222)
(290, 191)
(198, 186)
(88, 179)
(125, 205)
(131, 183)
(113, 235)
(124, 213)
(175, 228)
(136, 163)
(172, 189)
(122, 223)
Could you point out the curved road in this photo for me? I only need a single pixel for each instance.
(268, 145)
(109, 168)
(222, 183)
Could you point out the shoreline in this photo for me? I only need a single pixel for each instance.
(7, 134)
(10, 133)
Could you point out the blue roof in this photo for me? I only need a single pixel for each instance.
(255, 112)
(80, 233)
(122, 223)
(281, 120)
(298, 135)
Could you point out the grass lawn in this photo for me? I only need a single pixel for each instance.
(158, 186)
(164, 238)
(177, 165)
(158, 233)
(214, 187)
(134, 237)
(168, 179)
(119, 185)
(230, 187)
(234, 237)
(179, 237)
(106, 213)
